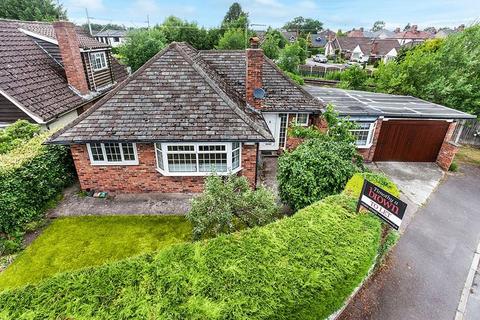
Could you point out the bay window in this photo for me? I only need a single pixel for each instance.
(112, 153)
(197, 159)
(364, 134)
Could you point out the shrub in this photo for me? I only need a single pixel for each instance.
(301, 267)
(355, 184)
(297, 131)
(229, 205)
(31, 176)
(16, 134)
(333, 75)
(453, 167)
(353, 78)
(295, 78)
(315, 169)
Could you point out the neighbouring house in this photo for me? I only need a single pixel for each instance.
(186, 114)
(376, 49)
(113, 38)
(397, 128)
(291, 36)
(52, 72)
(380, 34)
(412, 34)
(320, 39)
(345, 45)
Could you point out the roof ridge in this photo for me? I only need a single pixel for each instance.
(105, 98)
(234, 105)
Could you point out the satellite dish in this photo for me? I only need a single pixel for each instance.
(259, 93)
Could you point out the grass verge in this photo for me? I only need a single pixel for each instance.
(76, 242)
(470, 155)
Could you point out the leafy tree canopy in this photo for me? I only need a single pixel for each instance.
(141, 45)
(176, 29)
(290, 56)
(235, 18)
(32, 10)
(407, 27)
(378, 25)
(233, 39)
(304, 25)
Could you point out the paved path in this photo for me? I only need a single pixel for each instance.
(431, 261)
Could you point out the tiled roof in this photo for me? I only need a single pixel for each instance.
(379, 47)
(175, 96)
(30, 76)
(350, 43)
(111, 33)
(45, 29)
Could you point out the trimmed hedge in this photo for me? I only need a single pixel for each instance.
(31, 175)
(301, 267)
(355, 184)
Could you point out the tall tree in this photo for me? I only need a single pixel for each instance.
(304, 25)
(176, 29)
(32, 10)
(141, 45)
(233, 13)
(271, 47)
(378, 25)
(233, 39)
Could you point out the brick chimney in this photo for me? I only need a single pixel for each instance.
(414, 28)
(254, 72)
(361, 29)
(397, 30)
(70, 52)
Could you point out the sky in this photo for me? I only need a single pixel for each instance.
(335, 14)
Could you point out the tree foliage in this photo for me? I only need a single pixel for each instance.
(141, 45)
(304, 25)
(442, 71)
(292, 56)
(378, 25)
(354, 78)
(17, 134)
(32, 10)
(228, 205)
(271, 46)
(233, 39)
(176, 29)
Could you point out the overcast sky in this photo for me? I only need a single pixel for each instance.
(335, 14)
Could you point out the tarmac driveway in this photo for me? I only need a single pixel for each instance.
(416, 180)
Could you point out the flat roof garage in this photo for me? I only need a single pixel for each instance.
(402, 128)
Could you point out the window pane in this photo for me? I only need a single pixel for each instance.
(182, 162)
(283, 129)
(208, 162)
(302, 118)
(212, 148)
(236, 158)
(181, 148)
(97, 153)
(112, 151)
(159, 156)
(235, 145)
(128, 152)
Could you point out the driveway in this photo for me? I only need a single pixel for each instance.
(428, 269)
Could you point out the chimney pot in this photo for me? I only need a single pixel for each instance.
(254, 42)
(361, 29)
(71, 58)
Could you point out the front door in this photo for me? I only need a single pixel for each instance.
(273, 122)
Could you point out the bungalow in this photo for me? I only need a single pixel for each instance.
(113, 38)
(52, 72)
(321, 38)
(345, 45)
(377, 49)
(183, 115)
(412, 34)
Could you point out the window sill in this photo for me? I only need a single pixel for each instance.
(101, 69)
(196, 174)
(365, 146)
(123, 163)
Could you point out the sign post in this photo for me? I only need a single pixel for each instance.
(384, 205)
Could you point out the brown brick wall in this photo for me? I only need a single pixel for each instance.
(70, 52)
(254, 76)
(144, 177)
(367, 153)
(448, 150)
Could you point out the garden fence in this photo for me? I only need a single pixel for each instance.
(468, 132)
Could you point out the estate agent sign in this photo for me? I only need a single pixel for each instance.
(389, 208)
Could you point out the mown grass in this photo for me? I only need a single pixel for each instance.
(470, 155)
(76, 242)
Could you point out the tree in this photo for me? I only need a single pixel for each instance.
(233, 13)
(378, 25)
(271, 47)
(407, 27)
(282, 41)
(233, 39)
(354, 78)
(176, 29)
(290, 57)
(141, 45)
(32, 10)
(340, 33)
(304, 25)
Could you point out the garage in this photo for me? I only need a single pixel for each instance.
(410, 140)
(395, 127)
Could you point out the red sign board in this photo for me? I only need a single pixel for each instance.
(383, 204)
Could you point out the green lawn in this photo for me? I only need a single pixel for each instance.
(468, 154)
(77, 242)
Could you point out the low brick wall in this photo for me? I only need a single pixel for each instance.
(144, 177)
(448, 150)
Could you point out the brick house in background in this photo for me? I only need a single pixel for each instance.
(51, 72)
(183, 115)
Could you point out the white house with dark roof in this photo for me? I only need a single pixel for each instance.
(111, 37)
(52, 72)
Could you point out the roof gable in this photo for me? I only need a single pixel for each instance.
(173, 97)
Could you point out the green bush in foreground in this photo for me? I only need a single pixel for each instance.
(16, 134)
(301, 267)
(229, 204)
(355, 184)
(31, 176)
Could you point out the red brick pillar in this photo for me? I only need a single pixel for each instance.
(254, 73)
(70, 52)
(448, 150)
(249, 163)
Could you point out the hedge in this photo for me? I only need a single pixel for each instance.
(301, 267)
(355, 184)
(31, 175)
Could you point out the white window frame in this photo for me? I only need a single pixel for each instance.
(103, 57)
(105, 162)
(305, 124)
(165, 153)
(371, 131)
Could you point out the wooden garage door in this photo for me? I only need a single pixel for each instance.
(416, 141)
